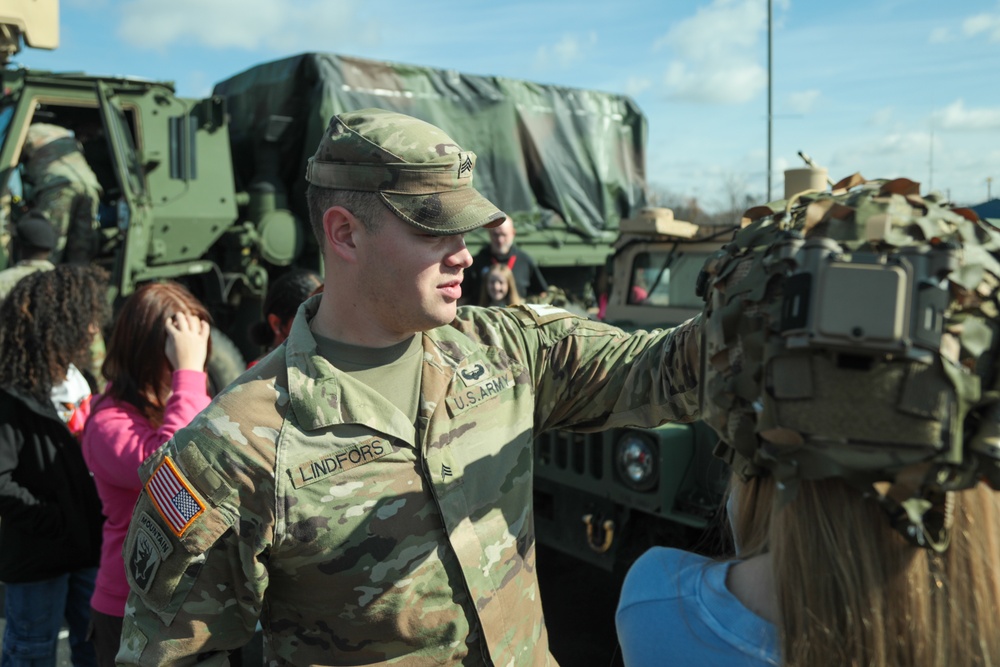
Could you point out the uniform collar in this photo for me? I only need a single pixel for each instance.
(41, 264)
(316, 389)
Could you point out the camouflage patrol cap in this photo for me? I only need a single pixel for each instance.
(419, 172)
(855, 334)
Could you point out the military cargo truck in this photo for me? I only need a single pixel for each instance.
(565, 164)
(211, 191)
(607, 497)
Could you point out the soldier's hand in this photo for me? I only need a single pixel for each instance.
(187, 342)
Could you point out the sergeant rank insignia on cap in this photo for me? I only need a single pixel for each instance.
(173, 497)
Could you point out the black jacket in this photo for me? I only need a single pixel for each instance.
(50, 513)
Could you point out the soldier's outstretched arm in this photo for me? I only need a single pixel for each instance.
(594, 377)
(195, 560)
(591, 376)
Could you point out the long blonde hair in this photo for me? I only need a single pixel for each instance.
(852, 592)
(513, 297)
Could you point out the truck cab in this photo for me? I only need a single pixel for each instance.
(607, 497)
(170, 208)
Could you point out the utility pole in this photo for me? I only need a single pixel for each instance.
(989, 182)
(930, 184)
(770, 28)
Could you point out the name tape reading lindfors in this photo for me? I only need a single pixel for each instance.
(339, 461)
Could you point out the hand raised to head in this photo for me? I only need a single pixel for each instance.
(187, 342)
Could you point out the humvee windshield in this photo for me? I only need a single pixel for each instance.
(666, 279)
(5, 115)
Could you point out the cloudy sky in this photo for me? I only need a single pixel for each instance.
(884, 87)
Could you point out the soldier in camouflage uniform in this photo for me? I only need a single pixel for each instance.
(365, 491)
(58, 173)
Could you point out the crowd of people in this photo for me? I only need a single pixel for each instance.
(363, 493)
(526, 279)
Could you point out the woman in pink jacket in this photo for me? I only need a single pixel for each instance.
(156, 384)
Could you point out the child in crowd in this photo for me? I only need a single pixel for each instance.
(157, 383)
(499, 287)
(50, 513)
(283, 299)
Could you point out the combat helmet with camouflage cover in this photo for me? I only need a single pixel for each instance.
(854, 333)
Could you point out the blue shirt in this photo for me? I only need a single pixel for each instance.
(675, 610)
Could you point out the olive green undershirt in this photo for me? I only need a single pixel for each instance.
(392, 371)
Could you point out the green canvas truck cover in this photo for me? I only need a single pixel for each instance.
(567, 164)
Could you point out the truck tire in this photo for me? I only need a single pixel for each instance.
(225, 364)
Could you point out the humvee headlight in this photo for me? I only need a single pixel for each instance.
(636, 461)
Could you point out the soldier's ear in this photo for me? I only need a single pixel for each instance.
(339, 230)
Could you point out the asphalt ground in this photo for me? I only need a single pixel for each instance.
(579, 601)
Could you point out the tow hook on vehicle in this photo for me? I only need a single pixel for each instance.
(599, 537)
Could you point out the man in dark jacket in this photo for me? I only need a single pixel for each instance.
(501, 250)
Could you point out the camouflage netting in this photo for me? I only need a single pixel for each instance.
(854, 334)
(567, 160)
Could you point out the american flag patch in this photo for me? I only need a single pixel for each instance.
(173, 498)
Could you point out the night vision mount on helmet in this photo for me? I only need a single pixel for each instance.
(854, 334)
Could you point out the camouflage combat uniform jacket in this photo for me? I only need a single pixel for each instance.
(58, 172)
(302, 498)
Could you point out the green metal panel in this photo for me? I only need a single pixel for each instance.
(133, 214)
(186, 156)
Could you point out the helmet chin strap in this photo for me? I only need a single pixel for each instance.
(917, 505)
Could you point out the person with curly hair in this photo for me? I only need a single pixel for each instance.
(156, 384)
(50, 513)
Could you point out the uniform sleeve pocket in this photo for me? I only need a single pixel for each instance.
(173, 526)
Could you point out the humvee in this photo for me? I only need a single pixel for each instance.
(607, 497)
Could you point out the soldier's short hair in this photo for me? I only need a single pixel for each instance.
(365, 206)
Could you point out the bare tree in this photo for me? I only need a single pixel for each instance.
(736, 198)
(684, 207)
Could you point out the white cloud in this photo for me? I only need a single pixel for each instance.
(717, 52)
(803, 102)
(882, 117)
(636, 85)
(199, 83)
(958, 165)
(883, 155)
(902, 143)
(940, 35)
(244, 24)
(983, 23)
(957, 117)
(568, 50)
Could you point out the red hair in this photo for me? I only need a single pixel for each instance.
(137, 367)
